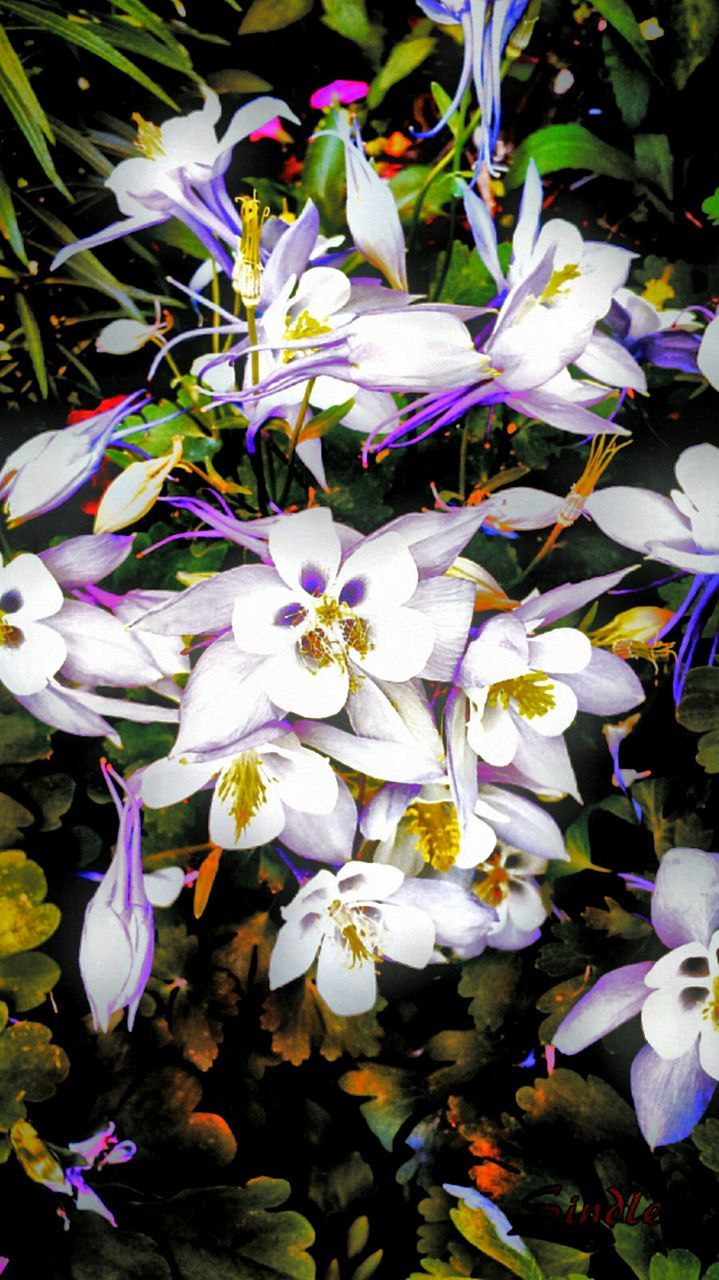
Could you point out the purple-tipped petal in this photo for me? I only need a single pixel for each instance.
(89, 558)
(614, 999)
(607, 686)
(685, 902)
(670, 1095)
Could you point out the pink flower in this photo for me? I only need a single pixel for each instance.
(344, 91)
(273, 129)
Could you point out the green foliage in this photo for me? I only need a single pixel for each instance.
(568, 146)
(349, 18)
(272, 15)
(492, 982)
(710, 207)
(695, 26)
(630, 86)
(485, 1230)
(698, 711)
(404, 58)
(323, 174)
(588, 1110)
(395, 1094)
(26, 921)
(31, 1067)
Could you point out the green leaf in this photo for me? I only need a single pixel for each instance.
(679, 1264)
(487, 1229)
(708, 751)
(654, 162)
(19, 97)
(695, 26)
(13, 817)
(467, 281)
(620, 15)
(588, 1110)
(30, 1068)
(492, 980)
(161, 1115)
(22, 738)
(631, 88)
(616, 922)
(231, 80)
(33, 340)
(395, 1094)
(9, 223)
(407, 184)
(699, 707)
(53, 796)
(25, 920)
(323, 174)
(558, 1260)
(568, 146)
(349, 19)
(89, 271)
(27, 978)
(81, 32)
(126, 1255)
(272, 15)
(228, 1232)
(705, 1137)
(710, 207)
(404, 58)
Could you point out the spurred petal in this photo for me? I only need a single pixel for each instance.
(448, 603)
(391, 761)
(100, 650)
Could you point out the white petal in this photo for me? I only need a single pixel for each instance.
(708, 353)
(525, 907)
(391, 761)
(381, 573)
(366, 880)
(478, 841)
(408, 935)
(167, 781)
(709, 1050)
(295, 949)
(306, 780)
(224, 700)
(449, 604)
(265, 619)
(347, 989)
(560, 716)
(294, 687)
(561, 650)
(401, 642)
(493, 736)
(672, 1020)
(688, 963)
(322, 291)
(305, 546)
(101, 650)
(633, 517)
(27, 666)
(39, 595)
(323, 837)
(263, 826)
(163, 887)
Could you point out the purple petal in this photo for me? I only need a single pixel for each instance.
(607, 686)
(571, 596)
(685, 902)
(670, 1094)
(614, 999)
(88, 558)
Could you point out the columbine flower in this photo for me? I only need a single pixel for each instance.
(487, 27)
(675, 1074)
(351, 924)
(507, 882)
(117, 935)
(46, 470)
(131, 494)
(179, 174)
(681, 531)
(30, 652)
(120, 337)
(324, 618)
(662, 337)
(262, 794)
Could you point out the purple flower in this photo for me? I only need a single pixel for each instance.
(674, 1076)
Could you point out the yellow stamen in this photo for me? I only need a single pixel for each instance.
(334, 631)
(9, 635)
(531, 694)
(359, 933)
(493, 886)
(149, 137)
(436, 831)
(243, 783)
(633, 634)
(246, 275)
(657, 292)
(601, 452)
(305, 326)
(558, 280)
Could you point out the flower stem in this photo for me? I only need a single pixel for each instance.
(295, 439)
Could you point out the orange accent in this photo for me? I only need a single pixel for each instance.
(396, 144)
(205, 880)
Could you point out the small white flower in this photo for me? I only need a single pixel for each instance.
(506, 882)
(347, 920)
(684, 1004)
(30, 653)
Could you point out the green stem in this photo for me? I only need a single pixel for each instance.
(256, 457)
(457, 159)
(438, 168)
(295, 439)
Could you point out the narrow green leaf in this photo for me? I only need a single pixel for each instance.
(232, 80)
(33, 339)
(82, 33)
(653, 158)
(21, 101)
(272, 15)
(349, 19)
(620, 15)
(9, 223)
(568, 146)
(82, 145)
(405, 57)
(695, 26)
(125, 36)
(442, 100)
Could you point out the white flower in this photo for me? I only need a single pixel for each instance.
(30, 653)
(506, 882)
(347, 920)
(371, 210)
(322, 624)
(120, 337)
(252, 791)
(508, 675)
(684, 1004)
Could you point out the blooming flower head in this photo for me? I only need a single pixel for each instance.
(675, 1074)
(351, 924)
(117, 934)
(507, 881)
(30, 652)
(47, 469)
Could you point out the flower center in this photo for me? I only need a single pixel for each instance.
(532, 694)
(334, 631)
(360, 929)
(435, 828)
(149, 137)
(711, 1009)
(243, 784)
(305, 326)
(493, 884)
(9, 635)
(558, 280)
